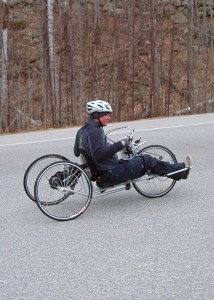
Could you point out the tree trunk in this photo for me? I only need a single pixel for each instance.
(190, 79)
(53, 63)
(155, 78)
(4, 66)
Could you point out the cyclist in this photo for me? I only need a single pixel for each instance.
(92, 139)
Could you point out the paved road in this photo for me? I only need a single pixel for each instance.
(125, 246)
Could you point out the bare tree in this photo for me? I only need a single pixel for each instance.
(155, 78)
(4, 68)
(136, 54)
(190, 79)
(53, 61)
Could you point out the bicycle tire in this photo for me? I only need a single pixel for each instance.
(66, 201)
(152, 185)
(35, 168)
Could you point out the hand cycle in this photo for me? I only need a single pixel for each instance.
(76, 184)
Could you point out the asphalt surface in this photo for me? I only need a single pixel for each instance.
(124, 246)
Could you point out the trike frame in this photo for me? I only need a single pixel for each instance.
(51, 201)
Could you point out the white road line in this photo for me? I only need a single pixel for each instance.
(166, 127)
(177, 126)
(116, 132)
(36, 142)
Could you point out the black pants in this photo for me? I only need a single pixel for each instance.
(138, 166)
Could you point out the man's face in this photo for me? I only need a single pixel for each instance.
(105, 119)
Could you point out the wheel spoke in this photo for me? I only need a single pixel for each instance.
(152, 185)
(68, 197)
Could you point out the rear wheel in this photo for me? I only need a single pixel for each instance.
(35, 168)
(151, 185)
(63, 191)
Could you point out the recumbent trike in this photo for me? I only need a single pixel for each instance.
(69, 196)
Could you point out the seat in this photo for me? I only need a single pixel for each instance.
(88, 163)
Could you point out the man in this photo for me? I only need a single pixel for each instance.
(92, 139)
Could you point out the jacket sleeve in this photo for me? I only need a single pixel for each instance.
(99, 147)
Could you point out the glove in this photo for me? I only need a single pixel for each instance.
(125, 143)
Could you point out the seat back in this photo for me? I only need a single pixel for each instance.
(88, 162)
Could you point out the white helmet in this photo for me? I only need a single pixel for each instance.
(99, 106)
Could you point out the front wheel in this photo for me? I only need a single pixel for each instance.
(151, 185)
(63, 191)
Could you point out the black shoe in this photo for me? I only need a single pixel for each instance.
(104, 185)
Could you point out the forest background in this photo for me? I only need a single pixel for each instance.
(148, 58)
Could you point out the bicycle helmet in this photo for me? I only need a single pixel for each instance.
(98, 106)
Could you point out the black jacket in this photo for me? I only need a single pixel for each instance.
(92, 139)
